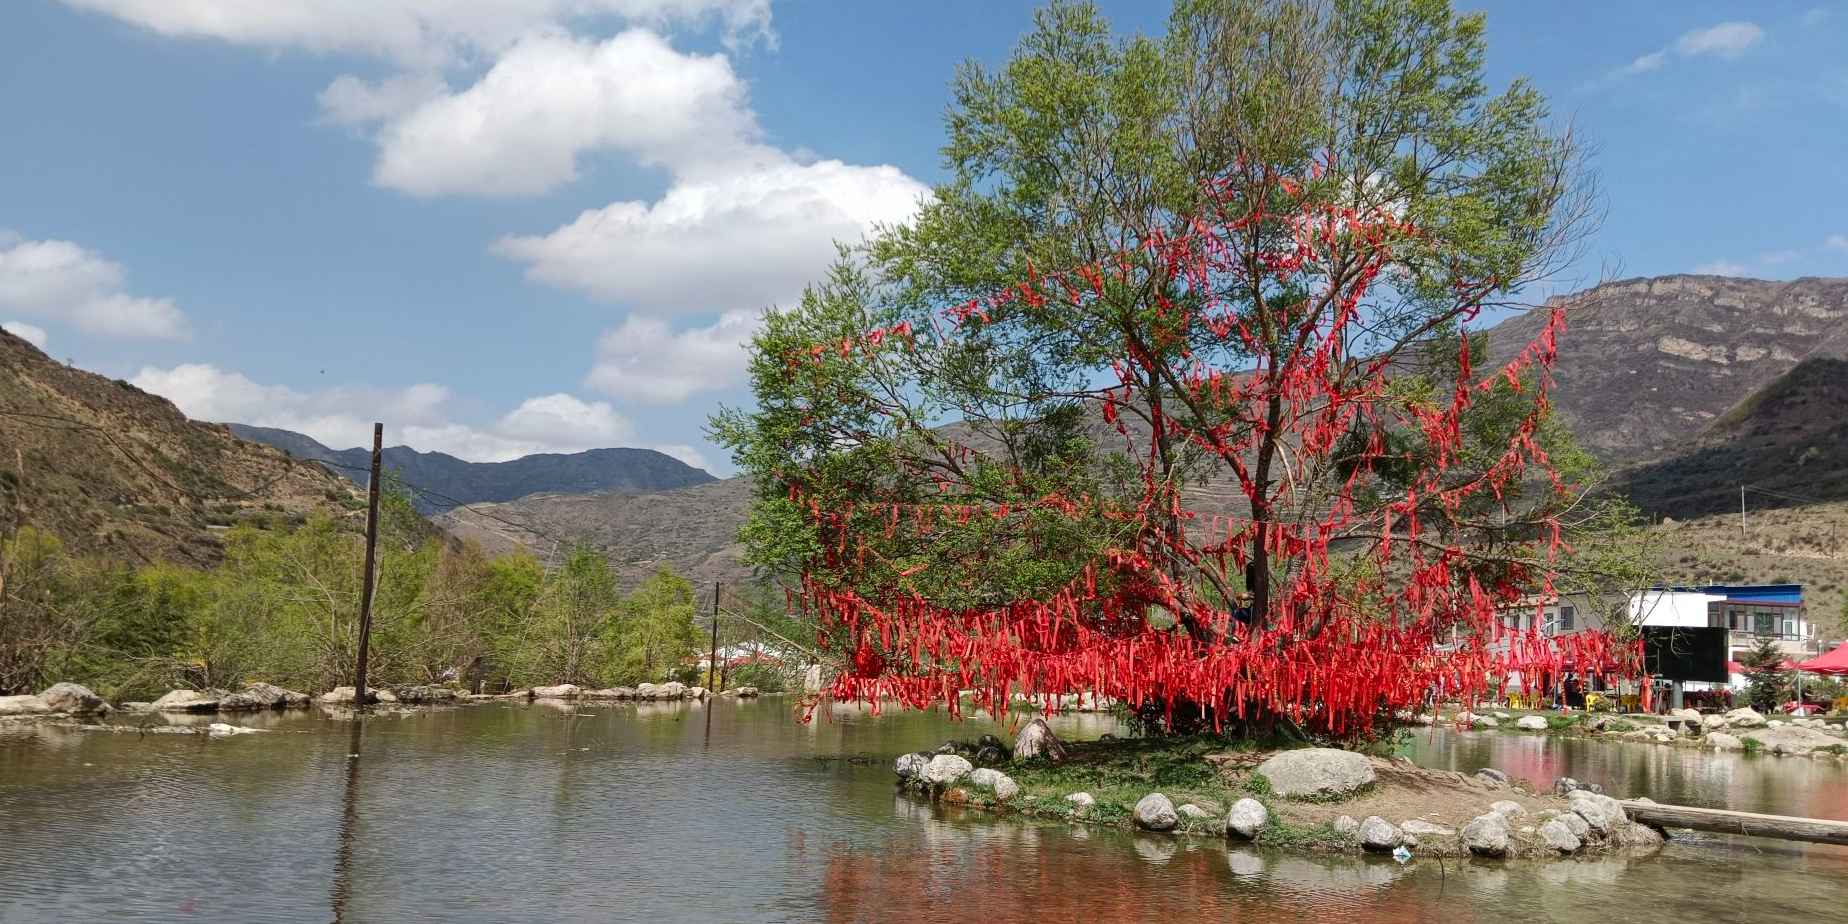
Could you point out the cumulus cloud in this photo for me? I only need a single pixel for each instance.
(30, 333)
(1721, 267)
(1726, 40)
(62, 281)
(646, 361)
(1837, 242)
(743, 240)
(417, 415)
(688, 454)
(419, 33)
(520, 129)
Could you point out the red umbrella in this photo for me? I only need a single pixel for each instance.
(1835, 663)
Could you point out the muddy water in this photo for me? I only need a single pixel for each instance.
(640, 813)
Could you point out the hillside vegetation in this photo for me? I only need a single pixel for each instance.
(118, 473)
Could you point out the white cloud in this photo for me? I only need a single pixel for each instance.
(736, 241)
(1837, 242)
(645, 361)
(62, 281)
(688, 454)
(520, 129)
(416, 415)
(1721, 267)
(1648, 62)
(418, 33)
(561, 420)
(30, 333)
(1727, 40)
(1814, 16)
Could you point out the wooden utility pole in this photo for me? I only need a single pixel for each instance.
(372, 544)
(712, 660)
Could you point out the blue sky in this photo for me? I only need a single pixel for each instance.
(506, 226)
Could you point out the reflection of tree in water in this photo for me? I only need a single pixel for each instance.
(973, 867)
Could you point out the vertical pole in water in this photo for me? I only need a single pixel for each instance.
(712, 660)
(712, 663)
(365, 593)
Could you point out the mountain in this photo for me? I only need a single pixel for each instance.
(115, 472)
(596, 471)
(692, 530)
(1647, 363)
(1787, 440)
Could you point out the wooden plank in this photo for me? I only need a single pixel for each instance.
(1722, 821)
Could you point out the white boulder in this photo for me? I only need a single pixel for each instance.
(1378, 834)
(1317, 772)
(1531, 723)
(195, 701)
(1246, 817)
(1155, 813)
(944, 769)
(1487, 835)
(74, 698)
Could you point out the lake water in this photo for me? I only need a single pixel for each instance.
(735, 813)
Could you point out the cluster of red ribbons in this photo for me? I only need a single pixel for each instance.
(1149, 616)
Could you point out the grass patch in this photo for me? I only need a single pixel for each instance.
(1752, 745)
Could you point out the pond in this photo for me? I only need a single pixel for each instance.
(733, 812)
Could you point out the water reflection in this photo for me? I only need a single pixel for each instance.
(349, 821)
(630, 812)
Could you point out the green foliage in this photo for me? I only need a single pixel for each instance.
(1258, 785)
(283, 605)
(1769, 681)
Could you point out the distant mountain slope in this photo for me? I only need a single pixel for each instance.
(118, 473)
(1791, 436)
(596, 471)
(1647, 363)
(693, 530)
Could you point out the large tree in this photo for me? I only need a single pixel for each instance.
(1168, 394)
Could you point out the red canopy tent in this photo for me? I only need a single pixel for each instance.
(1835, 662)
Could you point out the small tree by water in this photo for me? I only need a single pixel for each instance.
(1768, 675)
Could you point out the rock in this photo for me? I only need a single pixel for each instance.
(221, 730)
(241, 702)
(1691, 716)
(1574, 823)
(1246, 817)
(382, 696)
(195, 701)
(1037, 740)
(1155, 813)
(1080, 801)
(910, 766)
(1602, 813)
(747, 692)
(427, 693)
(989, 757)
(1493, 777)
(1488, 835)
(73, 698)
(559, 691)
(1500, 716)
(1004, 786)
(1346, 825)
(698, 692)
(1773, 723)
(1531, 723)
(1598, 723)
(1566, 786)
(990, 741)
(1316, 772)
(1721, 741)
(1508, 808)
(812, 680)
(1421, 827)
(1744, 717)
(23, 705)
(1793, 739)
(275, 697)
(1190, 810)
(944, 769)
(1711, 722)
(1558, 835)
(1378, 834)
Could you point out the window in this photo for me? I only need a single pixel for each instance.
(1766, 623)
(1565, 618)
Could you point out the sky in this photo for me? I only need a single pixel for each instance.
(515, 226)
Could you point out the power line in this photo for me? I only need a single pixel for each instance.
(36, 420)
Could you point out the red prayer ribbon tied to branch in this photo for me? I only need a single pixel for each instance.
(1146, 621)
